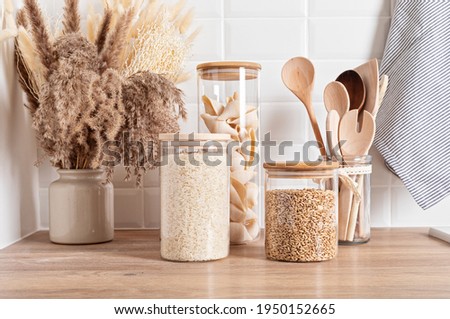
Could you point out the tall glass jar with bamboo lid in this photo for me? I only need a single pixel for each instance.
(229, 103)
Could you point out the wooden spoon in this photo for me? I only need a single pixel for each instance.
(333, 120)
(355, 88)
(370, 76)
(335, 97)
(298, 76)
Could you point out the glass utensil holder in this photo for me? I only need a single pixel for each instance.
(354, 200)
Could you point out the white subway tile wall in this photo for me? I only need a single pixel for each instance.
(347, 38)
(264, 39)
(349, 8)
(335, 34)
(264, 8)
(380, 206)
(210, 39)
(129, 207)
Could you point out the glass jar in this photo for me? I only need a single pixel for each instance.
(354, 199)
(195, 183)
(301, 211)
(229, 103)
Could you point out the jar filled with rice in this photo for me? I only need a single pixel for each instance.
(194, 176)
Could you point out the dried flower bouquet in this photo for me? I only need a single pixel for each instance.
(84, 91)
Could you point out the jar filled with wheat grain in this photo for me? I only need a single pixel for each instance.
(301, 205)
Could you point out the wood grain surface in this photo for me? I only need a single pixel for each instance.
(396, 263)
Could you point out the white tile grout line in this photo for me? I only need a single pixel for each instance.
(293, 18)
(306, 28)
(222, 27)
(306, 39)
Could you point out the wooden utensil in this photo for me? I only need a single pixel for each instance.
(333, 120)
(355, 143)
(298, 76)
(355, 88)
(335, 97)
(345, 202)
(370, 76)
(384, 81)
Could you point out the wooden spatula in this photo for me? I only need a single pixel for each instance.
(356, 140)
(370, 76)
(383, 84)
(384, 81)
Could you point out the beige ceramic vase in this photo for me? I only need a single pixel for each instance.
(81, 207)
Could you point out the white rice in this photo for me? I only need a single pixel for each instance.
(194, 209)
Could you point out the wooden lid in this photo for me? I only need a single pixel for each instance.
(302, 166)
(229, 65)
(185, 137)
(228, 70)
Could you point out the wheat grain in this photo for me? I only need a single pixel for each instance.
(301, 225)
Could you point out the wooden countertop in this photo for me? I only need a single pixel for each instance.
(396, 263)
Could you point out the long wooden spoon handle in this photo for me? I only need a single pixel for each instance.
(317, 134)
(351, 228)
(345, 200)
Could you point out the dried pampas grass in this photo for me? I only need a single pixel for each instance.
(152, 106)
(159, 40)
(116, 42)
(103, 31)
(40, 33)
(71, 20)
(78, 94)
(156, 49)
(29, 67)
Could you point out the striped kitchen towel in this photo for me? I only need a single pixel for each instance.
(413, 124)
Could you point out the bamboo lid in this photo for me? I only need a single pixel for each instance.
(227, 70)
(192, 137)
(229, 65)
(302, 166)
